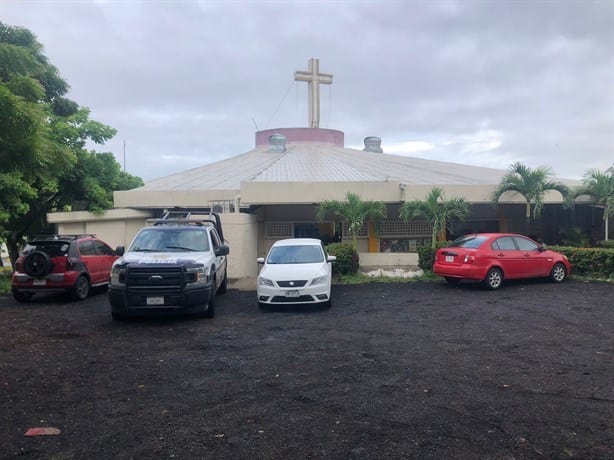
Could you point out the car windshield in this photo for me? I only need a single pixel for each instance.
(301, 254)
(51, 248)
(170, 240)
(468, 242)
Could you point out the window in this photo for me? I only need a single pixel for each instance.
(278, 230)
(526, 245)
(215, 238)
(468, 242)
(304, 254)
(505, 243)
(102, 249)
(86, 248)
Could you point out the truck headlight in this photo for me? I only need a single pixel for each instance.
(198, 275)
(118, 275)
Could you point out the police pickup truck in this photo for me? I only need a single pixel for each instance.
(172, 266)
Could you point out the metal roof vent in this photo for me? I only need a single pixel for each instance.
(373, 144)
(277, 143)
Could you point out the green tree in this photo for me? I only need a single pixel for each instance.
(599, 186)
(44, 165)
(354, 211)
(532, 184)
(436, 210)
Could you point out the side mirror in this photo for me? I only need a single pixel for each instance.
(542, 247)
(222, 250)
(260, 260)
(120, 250)
(331, 258)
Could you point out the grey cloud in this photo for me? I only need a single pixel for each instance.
(191, 78)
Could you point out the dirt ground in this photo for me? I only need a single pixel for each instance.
(415, 370)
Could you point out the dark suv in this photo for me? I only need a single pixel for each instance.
(69, 263)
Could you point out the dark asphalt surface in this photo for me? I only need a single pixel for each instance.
(412, 370)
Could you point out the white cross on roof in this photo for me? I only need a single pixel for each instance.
(314, 78)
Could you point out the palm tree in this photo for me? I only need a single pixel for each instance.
(600, 187)
(532, 184)
(354, 211)
(436, 211)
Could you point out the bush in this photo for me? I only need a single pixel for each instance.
(347, 258)
(609, 244)
(426, 254)
(5, 280)
(594, 262)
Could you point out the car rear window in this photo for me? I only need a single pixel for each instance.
(51, 248)
(468, 242)
(300, 254)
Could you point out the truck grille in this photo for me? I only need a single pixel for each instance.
(155, 280)
(156, 277)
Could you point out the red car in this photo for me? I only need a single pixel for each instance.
(493, 257)
(69, 263)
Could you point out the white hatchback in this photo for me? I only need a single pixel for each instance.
(296, 271)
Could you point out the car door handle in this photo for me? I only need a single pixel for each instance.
(527, 255)
(500, 255)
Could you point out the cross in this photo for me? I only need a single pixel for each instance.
(315, 78)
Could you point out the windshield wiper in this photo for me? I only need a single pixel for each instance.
(182, 248)
(145, 250)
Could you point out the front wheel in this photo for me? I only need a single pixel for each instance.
(224, 286)
(494, 278)
(81, 289)
(558, 273)
(210, 311)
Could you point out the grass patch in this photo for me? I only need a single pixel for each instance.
(5, 280)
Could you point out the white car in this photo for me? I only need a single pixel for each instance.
(296, 271)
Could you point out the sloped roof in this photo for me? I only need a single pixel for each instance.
(321, 162)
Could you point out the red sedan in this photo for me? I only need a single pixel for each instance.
(493, 257)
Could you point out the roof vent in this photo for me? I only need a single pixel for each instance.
(277, 143)
(373, 144)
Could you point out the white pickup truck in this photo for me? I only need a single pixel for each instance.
(173, 266)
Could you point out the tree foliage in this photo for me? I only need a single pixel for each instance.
(354, 211)
(532, 184)
(437, 211)
(44, 163)
(599, 186)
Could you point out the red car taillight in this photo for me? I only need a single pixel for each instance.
(469, 259)
(19, 265)
(71, 263)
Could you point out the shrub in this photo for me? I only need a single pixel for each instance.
(609, 244)
(5, 280)
(426, 254)
(598, 262)
(347, 258)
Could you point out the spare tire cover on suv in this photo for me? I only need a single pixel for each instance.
(37, 263)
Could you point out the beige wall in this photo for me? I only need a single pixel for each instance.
(241, 233)
(116, 226)
(388, 259)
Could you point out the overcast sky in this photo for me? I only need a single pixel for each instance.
(187, 83)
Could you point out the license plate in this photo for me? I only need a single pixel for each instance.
(449, 258)
(292, 293)
(39, 282)
(155, 300)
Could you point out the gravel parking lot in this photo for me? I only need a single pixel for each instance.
(409, 370)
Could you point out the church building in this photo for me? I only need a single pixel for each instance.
(273, 191)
